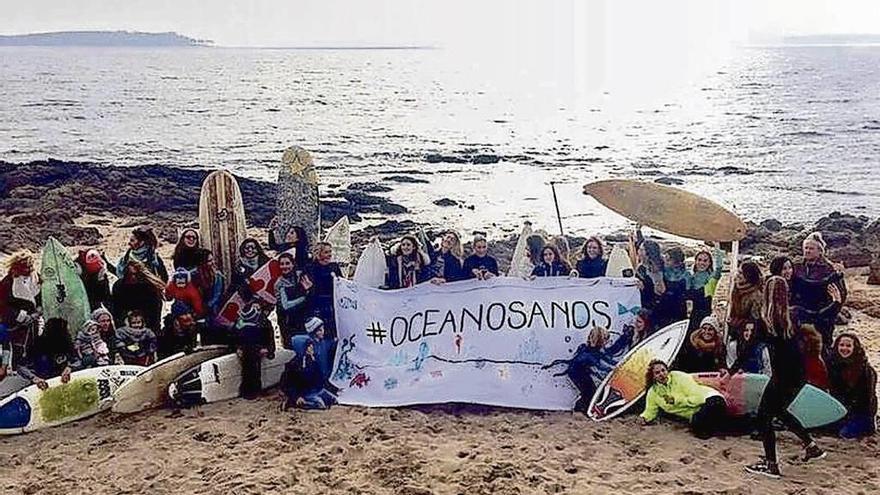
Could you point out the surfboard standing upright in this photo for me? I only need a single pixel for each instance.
(63, 293)
(297, 202)
(221, 219)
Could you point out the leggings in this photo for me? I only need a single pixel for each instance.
(774, 404)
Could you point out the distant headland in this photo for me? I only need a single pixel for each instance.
(101, 38)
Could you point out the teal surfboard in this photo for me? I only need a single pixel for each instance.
(64, 295)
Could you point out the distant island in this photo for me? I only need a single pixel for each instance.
(101, 38)
(833, 39)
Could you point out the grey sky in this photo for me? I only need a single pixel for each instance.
(448, 23)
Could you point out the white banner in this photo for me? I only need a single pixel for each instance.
(481, 342)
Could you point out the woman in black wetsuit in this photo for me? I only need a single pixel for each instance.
(787, 380)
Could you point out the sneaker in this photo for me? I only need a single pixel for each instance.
(813, 453)
(764, 468)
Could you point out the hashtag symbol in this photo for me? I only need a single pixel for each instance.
(377, 333)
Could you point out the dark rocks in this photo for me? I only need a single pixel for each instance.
(772, 225)
(874, 277)
(369, 187)
(669, 181)
(837, 222)
(485, 159)
(438, 158)
(468, 157)
(406, 179)
(446, 202)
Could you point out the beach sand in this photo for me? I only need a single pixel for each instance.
(241, 447)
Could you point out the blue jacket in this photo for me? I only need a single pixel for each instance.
(302, 374)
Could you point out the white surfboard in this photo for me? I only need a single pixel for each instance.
(87, 393)
(619, 264)
(149, 389)
(625, 385)
(339, 236)
(219, 379)
(12, 384)
(371, 266)
(520, 265)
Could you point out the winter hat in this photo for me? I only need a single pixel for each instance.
(313, 323)
(711, 321)
(181, 274)
(250, 315)
(91, 261)
(817, 239)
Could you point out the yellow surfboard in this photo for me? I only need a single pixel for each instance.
(668, 209)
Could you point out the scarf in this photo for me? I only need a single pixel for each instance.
(705, 346)
(251, 264)
(407, 270)
(26, 288)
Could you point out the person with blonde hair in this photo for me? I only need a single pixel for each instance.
(19, 314)
(480, 265)
(451, 255)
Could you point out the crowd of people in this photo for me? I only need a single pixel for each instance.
(781, 325)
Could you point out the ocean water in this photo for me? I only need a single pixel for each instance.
(785, 132)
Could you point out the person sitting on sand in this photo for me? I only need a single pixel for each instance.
(93, 272)
(702, 283)
(251, 257)
(186, 251)
(552, 264)
(302, 381)
(815, 370)
(480, 265)
(854, 384)
(678, 394)
(142, 246)
(451, 255)
(179, 332)
(285, 239)
(292, 301)
(322, 270)
(408, 265)
(323, 347)
(592, 263)
(747, 353)
(255, 342)
(135, 343)
(810, 281)
(746, 300)
(90, 349)
(704, 350)
(592, 361)
(51, 355)
(138, 289)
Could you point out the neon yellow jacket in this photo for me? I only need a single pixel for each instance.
(688, 396)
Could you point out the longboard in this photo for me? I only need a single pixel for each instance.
(297, 201)
(813, 407)
(219, 379)
(261, 284)
(150, 387)
(626, 383)
(87, 393)
(371, 266)
(339, 236)
(668, 209)
(62, 290)
(520, 265)
(221, 219)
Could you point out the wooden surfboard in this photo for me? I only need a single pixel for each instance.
(221, 219)
(668, 209)
(297, 202)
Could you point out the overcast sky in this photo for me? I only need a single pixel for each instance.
(444, 23)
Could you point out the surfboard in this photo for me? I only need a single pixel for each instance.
(626, 383)
(219, 379)
(813, 407)
(62, 290)
(371, 266)
(668, 209)
(520, 265)
(619, 264)
(221, 219)
(149, 388)
(12, 384)
(297, 201)
(262, 285)
(339, 236)
(87, 393)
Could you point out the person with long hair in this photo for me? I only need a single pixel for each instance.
(142, 246)
(186, 251)
(285, 239)
(52, 355)
(786, 381)
(251, 257)
(678, 394)
(552, 264)
(408, 264)
(782, 266)
(704, 350)
(210, 282)
(138, 289)
(672, 305)
(322, 270)
(746, 352)
(293, 304)
(810, 281)
(451, 254)
(480, 265)
(703, 282)
(649, 275)
(854, 384)
(746, 299)
(592, 263)
(93, 273)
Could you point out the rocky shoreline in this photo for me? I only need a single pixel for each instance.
(45, 198)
